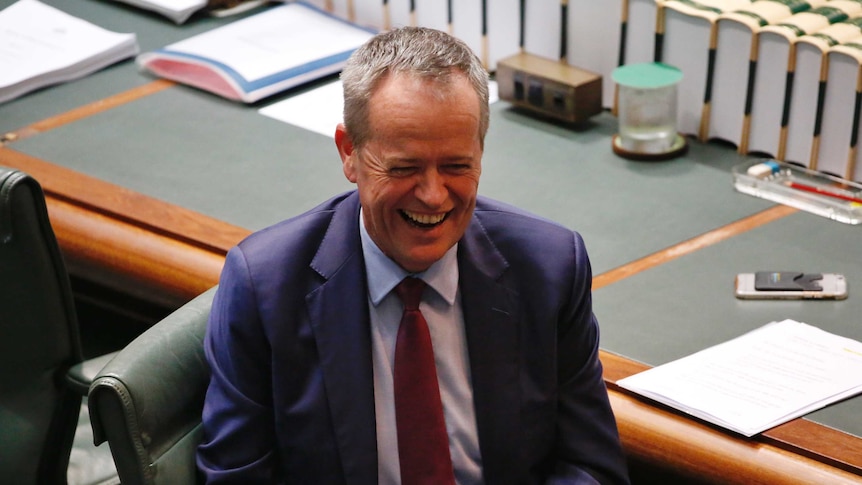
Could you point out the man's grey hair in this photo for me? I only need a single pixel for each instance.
(417, 51)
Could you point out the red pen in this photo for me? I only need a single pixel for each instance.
(822, 191)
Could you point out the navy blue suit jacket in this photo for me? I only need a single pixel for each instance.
(291, 397)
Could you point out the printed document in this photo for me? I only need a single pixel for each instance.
(759, 380)
(41, 45)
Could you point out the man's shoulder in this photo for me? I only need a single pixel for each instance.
(533, 248)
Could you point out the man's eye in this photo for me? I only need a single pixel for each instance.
(458, 167)
(401, 170)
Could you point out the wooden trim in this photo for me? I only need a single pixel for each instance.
(819, 442)
(150, 266)
(692, 245)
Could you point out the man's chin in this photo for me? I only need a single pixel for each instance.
(416, 262)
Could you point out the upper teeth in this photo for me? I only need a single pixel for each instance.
(425, 218)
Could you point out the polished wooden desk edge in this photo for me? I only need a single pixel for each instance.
(827, 451)
(664, 439)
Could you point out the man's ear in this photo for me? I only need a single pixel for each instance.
(346, 151)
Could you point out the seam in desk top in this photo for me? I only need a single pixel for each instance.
(686, 247)
(86, 111)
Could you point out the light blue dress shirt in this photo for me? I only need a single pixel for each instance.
(441, 307)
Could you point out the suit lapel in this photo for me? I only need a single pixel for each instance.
(491, 319)
(339, 317)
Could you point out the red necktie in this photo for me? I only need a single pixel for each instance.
(423, 445)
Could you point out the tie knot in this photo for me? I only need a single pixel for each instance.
(410, 292)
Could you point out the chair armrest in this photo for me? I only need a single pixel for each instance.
(147, 401)
(80, 376)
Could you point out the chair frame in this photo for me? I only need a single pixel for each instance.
(17, 223)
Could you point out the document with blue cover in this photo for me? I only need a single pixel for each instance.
(261, 55)
(759, 380)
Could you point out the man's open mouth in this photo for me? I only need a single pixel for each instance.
(424, 220)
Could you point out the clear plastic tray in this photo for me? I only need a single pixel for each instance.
(799, 187)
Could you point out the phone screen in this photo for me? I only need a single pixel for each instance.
(787, 281)
(795, 285)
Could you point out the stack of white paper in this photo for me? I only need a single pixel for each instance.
(766, 377)
(40, 46)
(177, 10)
(180, 10)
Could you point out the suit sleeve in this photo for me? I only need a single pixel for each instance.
(588, 446)
(239, 444)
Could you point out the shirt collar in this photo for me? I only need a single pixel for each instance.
(384, 274)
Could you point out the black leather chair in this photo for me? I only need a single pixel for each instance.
(147, 401)
(39, 343)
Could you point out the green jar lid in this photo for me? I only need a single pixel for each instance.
(646, 75)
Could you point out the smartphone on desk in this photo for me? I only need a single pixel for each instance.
(790, 285)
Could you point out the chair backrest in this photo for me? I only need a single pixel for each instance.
(147, 401)
(39, 339)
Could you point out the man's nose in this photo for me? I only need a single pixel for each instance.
(431, 189)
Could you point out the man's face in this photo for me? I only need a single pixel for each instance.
(418, 173)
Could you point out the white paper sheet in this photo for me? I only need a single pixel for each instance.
(41, 45)
(766, 377)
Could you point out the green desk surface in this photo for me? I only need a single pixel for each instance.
(687, 304)
(229, 162)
